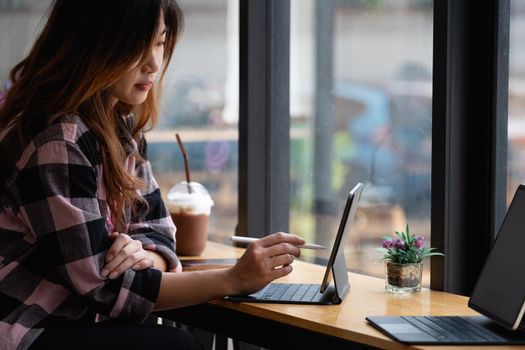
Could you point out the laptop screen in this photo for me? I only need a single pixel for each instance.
(500, 290)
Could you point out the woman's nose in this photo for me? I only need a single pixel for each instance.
(152, 64)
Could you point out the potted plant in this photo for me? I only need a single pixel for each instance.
(403, 255)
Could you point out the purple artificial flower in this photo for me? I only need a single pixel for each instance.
(400, 244)
(387, 243)
(419, 242)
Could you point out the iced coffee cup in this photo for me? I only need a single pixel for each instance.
(190, 211)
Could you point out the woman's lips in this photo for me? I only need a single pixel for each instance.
(144, 87)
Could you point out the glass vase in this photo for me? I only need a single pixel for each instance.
(403, 278)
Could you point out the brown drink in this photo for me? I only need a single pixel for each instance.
(190, 213)
(192, 233)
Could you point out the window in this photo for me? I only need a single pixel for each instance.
(200, 102)
(19, 25)
(361, 111)
(516, 121)
(356, 83)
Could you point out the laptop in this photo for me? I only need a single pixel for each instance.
(334, 285)
(499, 295)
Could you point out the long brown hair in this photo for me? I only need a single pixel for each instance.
(83, 49)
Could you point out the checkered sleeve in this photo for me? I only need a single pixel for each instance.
(57, 192)
(153, 226)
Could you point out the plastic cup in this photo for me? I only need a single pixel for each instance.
(190, 213)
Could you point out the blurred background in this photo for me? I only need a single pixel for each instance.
(360, 109)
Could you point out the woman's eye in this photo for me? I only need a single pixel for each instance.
(162, 43)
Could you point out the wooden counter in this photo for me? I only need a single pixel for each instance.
(338, 326)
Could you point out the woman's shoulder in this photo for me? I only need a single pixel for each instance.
(70, 128)
(66, 141)
(69, 133)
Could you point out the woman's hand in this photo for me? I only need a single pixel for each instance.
(265, 260)
(178, 268)
(123, 254)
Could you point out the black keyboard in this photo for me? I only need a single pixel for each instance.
(452, 329)
(290, 292)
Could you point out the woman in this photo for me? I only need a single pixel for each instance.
(84, 234)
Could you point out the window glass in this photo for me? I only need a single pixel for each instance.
(361, 103)
(516, 116)
(199, 101)
(20, 21)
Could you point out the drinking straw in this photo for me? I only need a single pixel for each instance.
(186, 162)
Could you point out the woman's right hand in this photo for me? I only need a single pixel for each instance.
(265, 260)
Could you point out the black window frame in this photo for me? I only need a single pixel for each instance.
(264, 122)
(469, 137)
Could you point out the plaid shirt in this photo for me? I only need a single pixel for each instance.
(54, 232)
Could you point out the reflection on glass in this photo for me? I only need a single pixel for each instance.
(361, 102)
(516, 116)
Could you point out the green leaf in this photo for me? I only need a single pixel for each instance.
(382, 250)
(412, 254)
(434, 254)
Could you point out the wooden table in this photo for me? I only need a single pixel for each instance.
(302, 326)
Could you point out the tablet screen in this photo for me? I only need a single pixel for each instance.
(500, 290)
(337, 259)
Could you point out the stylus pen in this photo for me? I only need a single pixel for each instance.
(249, 240)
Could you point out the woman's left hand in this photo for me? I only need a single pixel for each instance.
(123, 254)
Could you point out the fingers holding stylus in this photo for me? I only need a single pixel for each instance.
(281, 237)
(265, 260)
(282, 260)
(283, 248)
